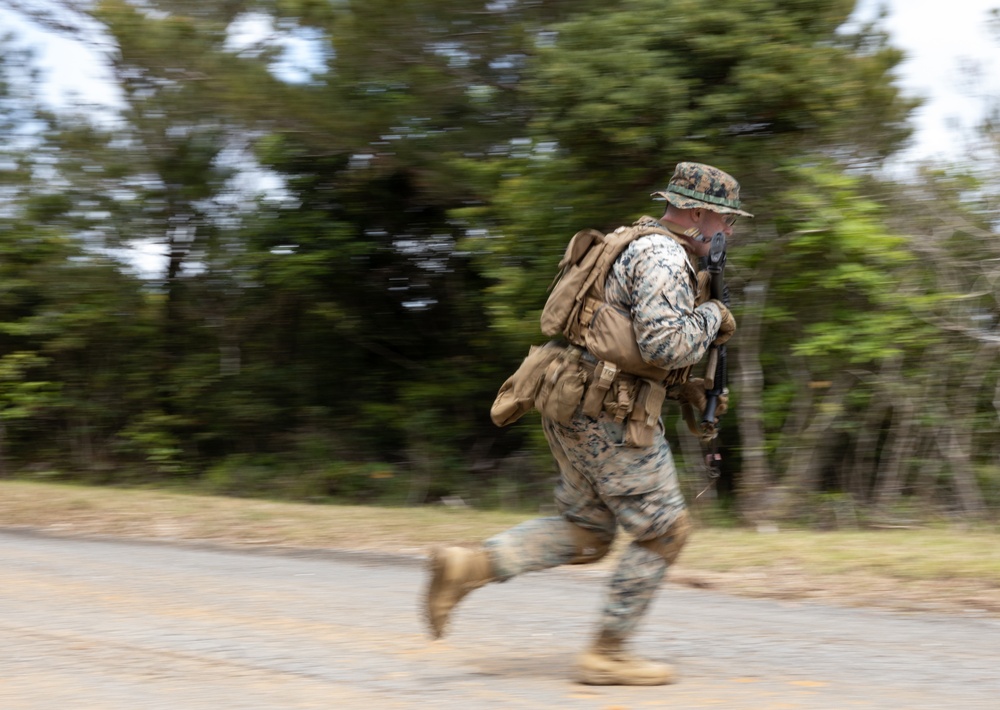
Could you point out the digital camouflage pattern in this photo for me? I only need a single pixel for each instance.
(695, 185)
(655, 281)
(602, 482)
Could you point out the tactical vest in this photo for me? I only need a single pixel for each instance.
(576, 307)
(605, 370)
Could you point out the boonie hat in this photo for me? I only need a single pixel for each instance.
(695, 185)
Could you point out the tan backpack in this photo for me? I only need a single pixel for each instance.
(576, 307)
(555, 380)
(579, 285)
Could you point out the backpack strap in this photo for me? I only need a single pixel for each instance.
(578, 289)
(591, 295)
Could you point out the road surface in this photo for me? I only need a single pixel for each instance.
(109, 625)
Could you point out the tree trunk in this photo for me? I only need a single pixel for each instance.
(421, 472)
(694, 465)
(801, 477)
(955, 451)
(957, 442)
(899, 445)
(755, 476)
(860, 479)
(802, 405)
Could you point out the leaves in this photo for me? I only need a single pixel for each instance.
(356, 247)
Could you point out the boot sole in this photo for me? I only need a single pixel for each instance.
(590, 673)
(611, 679)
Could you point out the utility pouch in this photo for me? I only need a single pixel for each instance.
(571, 283)
(644, 419)
(561, 390)
(517, 394)
(620, 400)
(604, 375)
(611, 337)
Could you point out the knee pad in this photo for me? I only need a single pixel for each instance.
(591, 545)
(669, 544)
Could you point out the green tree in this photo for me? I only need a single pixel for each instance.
(349, 302)
(342, 332)
(71, 330)
(759, 89)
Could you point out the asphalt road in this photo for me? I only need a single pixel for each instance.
(107, 625)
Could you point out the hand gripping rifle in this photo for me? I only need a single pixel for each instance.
(716, 374)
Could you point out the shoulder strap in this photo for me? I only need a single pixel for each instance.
(578, 288)
(614, 244)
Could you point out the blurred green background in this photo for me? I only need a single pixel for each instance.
(355, 252)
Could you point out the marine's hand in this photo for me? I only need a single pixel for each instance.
(728, 326)
(723, 404)
(693, 392)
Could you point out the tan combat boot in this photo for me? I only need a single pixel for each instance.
(455, 571)
(607, 663)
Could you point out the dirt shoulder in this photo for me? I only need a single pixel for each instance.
(948, 570)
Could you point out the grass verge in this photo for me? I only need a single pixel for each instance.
(946, 569)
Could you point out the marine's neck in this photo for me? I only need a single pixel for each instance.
(678, 229)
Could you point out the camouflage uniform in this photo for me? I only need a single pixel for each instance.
(604, 483)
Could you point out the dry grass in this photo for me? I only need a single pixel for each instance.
(146, 514)
(942, 569)
(933, 569)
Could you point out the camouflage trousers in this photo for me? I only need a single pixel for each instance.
(603, 484)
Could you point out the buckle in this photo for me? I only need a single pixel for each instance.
(607, 376)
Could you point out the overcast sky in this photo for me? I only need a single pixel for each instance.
(939, 37)
(942, 39)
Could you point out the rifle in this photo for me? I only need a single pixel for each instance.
(716, 374)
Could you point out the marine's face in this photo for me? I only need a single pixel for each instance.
(711, 223)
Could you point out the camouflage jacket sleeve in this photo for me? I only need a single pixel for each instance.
(656, 284)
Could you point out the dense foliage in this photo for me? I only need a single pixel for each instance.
(356, 246)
